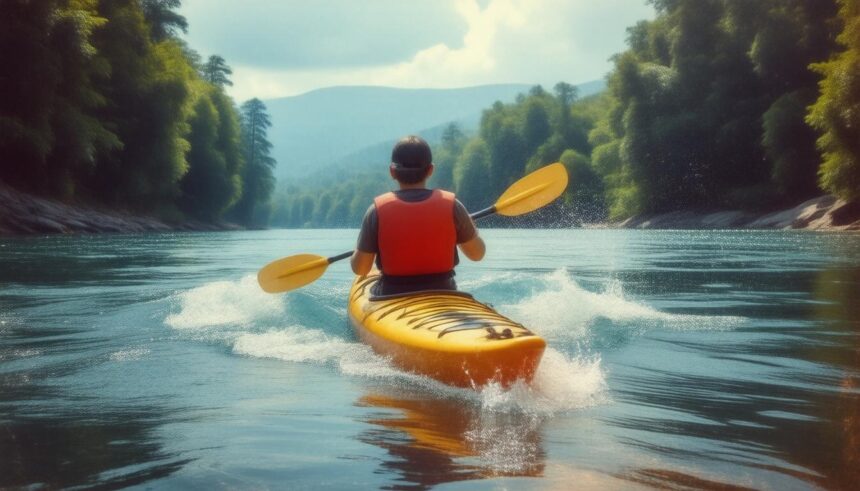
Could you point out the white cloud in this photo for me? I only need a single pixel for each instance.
(506, 41)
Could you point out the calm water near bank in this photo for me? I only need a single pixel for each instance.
(676, 359)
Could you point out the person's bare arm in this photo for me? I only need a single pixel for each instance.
(365, 251)
(361, 262)
(468, 240)
(474, 249)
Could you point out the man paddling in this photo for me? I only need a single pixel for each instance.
(413, 233)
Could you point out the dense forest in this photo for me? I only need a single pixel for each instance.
(102, 103)
(715, 104)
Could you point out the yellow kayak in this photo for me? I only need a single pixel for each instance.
(446, 335)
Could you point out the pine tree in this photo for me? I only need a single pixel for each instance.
(258, 181)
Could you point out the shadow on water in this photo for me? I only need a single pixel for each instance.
(674, 480)
(56, 437)
(86, 260)
(792, 407)
(94, 446)
(431, 440)
(109, 449)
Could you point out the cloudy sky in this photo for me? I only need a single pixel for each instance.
(287, 47)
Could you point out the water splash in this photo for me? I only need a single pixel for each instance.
(223, 303)
(561, 308)
(131, 354)
(561, 383)
(298, 344)
(251, 323)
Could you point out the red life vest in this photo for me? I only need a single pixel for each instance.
(416, 238)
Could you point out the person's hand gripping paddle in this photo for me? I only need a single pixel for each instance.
(530, 193)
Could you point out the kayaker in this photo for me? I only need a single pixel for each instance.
(414, 232)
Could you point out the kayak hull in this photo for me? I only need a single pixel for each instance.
(445, 335)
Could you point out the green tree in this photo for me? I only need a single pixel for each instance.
(307, 207)
(257, 179)
(836, 113)
(339, 211)
(151, 104)
(501, 133)
(162, 18)
(470, 175)
(536, 124)
(50, 133)
(213, 182)
(789, 37)
(584, 196)
(790, 145)
(322, 208)
(216, 72)
(707, 106)
(445, 156)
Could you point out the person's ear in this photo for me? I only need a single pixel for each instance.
(430, 171)
(391, 171)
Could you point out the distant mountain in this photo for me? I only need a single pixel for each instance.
(358, 124)
(374, 155)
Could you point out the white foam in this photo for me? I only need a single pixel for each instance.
(254, 327)
(20, 353)
(491, 278)
(563, 308)
(129, 354)
(503, 446)
(293, 344)
(561, 383)
(301, 345)
(224, 303)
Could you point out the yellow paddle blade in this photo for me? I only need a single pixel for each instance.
(533, 191)
(291, 272)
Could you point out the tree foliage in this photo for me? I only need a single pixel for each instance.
(836, 113)
(712, 104)
(163, 19)
(708, 106)
(705, 109)
(50, 132)
(513, 138)
(216, 72)
(102, 103)
(213, 182)
(254, 207)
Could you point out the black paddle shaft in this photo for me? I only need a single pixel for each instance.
(483, 213)
(339, 257)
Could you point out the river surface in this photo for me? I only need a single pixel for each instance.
(681, 360)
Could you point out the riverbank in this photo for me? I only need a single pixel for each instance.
(25, 214)
(822, 213)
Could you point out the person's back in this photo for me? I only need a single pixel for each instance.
(414, 232)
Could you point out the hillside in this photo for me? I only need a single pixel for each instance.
(355, 125)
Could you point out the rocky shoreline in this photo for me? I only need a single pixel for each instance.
(25, 214)
(822, 213)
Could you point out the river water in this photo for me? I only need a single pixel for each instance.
(676, 359)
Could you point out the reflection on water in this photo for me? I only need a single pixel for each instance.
(838, 291)
(674, 480)
(676, 360)
(52, 438)
(796, 412)
(114, 449)
(432, 440)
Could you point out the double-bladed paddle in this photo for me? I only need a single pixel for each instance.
(533, 191)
